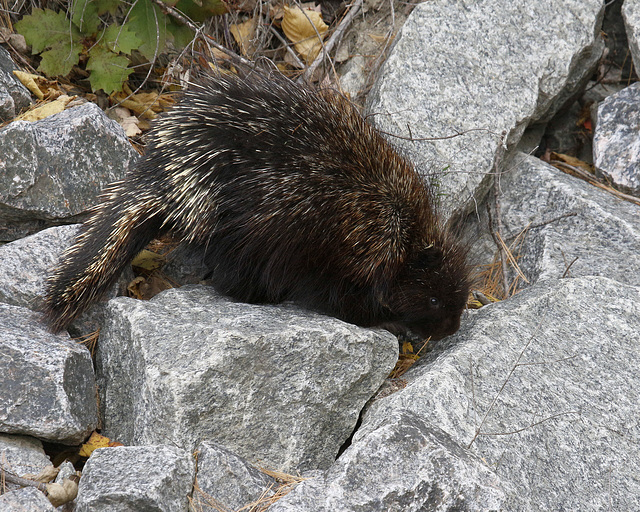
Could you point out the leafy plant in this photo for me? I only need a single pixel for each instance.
(62, 40)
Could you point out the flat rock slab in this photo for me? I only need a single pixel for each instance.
(543, 388)
(481, 69)
(47, 381)
(276, 384)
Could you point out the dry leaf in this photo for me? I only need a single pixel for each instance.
(96, 441)
(129, 123)
(30, 82)
(146, 288)
(134, 287)
(244, 34)
(131, 126)
(276, 12)
(378, 38)
(296, 26)
(144, 104)
(148, 260)
(572, 160)
(46, 109)
(59, 494)
(46, 475)
(219, 54)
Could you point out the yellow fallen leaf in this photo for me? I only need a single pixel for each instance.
(95, 441)
(298, 29)
(148, 260)
(46, 109)
(29, 81)
(244, 34)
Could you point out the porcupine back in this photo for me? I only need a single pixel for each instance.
(293, 195)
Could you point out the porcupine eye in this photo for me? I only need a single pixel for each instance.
(434, 302)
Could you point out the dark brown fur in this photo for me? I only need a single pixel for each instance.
(294, 196)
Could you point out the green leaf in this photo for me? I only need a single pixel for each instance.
(42, 29)
(59, 60)
(182, 35)
(109, 6)
(148, 23)
(121, 39)
(85, 16)
(202, 9)
(108, 70)
(86, 13)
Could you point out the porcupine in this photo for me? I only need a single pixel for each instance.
(294, 196)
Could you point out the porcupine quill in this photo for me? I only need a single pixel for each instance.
(294, 196)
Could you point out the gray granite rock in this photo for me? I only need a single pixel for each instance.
(616, 139)
(28, 499)
(482, 68)
(54, 168)
(26, 263)
(275, 384)
(602, 231)
(13, 95)
(136, 479)
(21, 455)
(544, 389)
(66, 470)
(631, 17)
(227, 482)
(47, 381)
(403, 464)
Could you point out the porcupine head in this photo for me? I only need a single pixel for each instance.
(294, 196)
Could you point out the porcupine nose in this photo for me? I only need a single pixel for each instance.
(446, 327)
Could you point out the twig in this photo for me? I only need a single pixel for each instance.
(335, 38)
(237, 59)
(517, 431)
(500, 150)
(504, 384)
(507, 252)
(503, 263)
(287, 47)
(580, 173)
(456, 133)
(23, 482)
(542, 224)
(567, 269)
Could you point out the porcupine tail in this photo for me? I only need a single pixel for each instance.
(119, 227)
